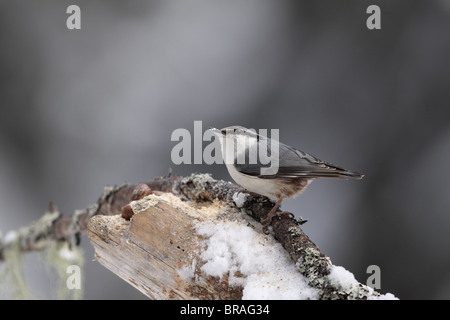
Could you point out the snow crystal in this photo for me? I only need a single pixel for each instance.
(339, 276)
(67, 254)
(387, 296)
(239, 199)
(187, 272)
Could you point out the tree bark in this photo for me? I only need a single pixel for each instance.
(148, 250)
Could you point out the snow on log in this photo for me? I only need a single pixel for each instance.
(199, 238)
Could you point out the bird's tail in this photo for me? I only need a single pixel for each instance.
(335, 172)
(341, 174)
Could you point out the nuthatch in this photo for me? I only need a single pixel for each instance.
(292, 170)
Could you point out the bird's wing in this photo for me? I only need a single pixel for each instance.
(295, 163)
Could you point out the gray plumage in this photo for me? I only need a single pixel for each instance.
(293, 163)
(296, 168)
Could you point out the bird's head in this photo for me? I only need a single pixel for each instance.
(236, 140)
(237, 134)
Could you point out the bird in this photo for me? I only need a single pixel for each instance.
(294, 169)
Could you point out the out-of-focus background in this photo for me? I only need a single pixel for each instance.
(82, 109)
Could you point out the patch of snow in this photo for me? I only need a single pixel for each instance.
(256, 262)
(387, 296)
(239, 199)
(187, 272)
(339, 276)
(67, 254)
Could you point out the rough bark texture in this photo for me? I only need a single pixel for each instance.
(310, 261)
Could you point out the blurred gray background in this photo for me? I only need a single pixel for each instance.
(83, 109)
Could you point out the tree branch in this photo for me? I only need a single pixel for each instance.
(114, 237)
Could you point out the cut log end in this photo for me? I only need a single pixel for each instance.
(154, 248)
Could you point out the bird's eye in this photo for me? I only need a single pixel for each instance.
(224, 131)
